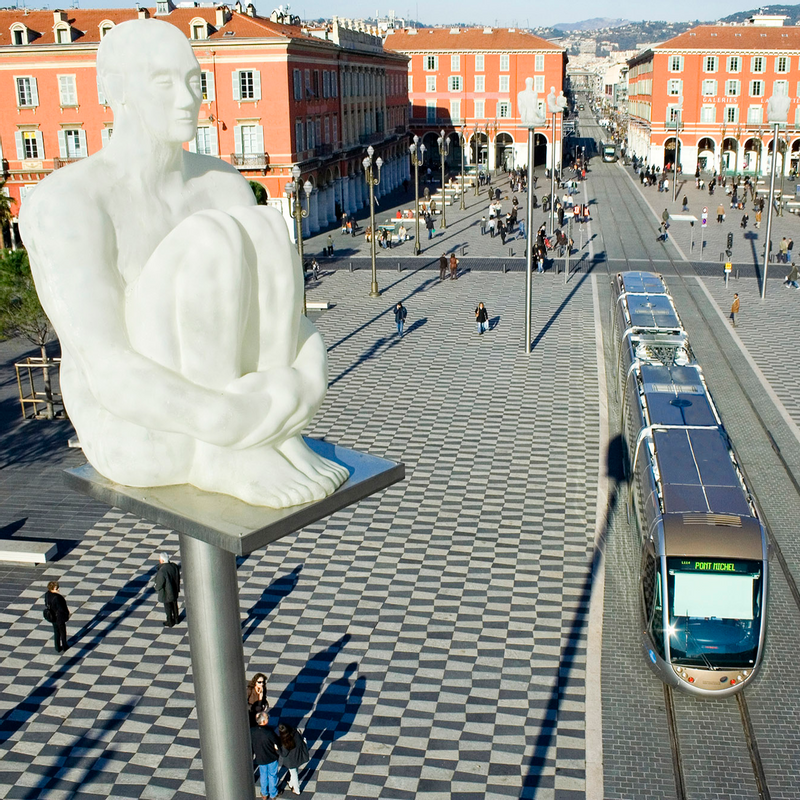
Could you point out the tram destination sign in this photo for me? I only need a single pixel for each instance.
(696, 565)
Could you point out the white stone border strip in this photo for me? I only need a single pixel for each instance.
(787, 417)
(594, 645)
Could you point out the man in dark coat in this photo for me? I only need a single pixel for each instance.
(168, 585)
(57, 613)
(266, 746)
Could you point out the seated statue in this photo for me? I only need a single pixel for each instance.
(177, 300)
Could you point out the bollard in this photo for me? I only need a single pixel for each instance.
(351, 266)
(511, 252)
(398, 266)
(504, 269)
(737, 273)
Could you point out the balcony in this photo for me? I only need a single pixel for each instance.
(251, 161)
(62, 162)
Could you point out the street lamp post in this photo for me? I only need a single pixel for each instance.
(555, 105)
(372, 181)
(292, 190)
(417, 151)
(477, 158)
(461, 205)
(777, 111)
(444, 150)
(677, 150)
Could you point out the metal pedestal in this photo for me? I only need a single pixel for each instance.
(213, 530)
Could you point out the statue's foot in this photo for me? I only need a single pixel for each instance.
(327, 473)
(260, 476)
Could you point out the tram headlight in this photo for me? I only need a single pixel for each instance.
(671, 630)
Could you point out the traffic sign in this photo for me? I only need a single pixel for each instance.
(728, 266)
(704, 220)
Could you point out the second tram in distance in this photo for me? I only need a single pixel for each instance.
(703, 577)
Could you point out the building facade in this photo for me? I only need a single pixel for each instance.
(465, 81)
(275, 95)
(705, 94)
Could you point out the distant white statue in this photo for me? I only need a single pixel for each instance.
(177, 301)
(531, 116)
(778, 106)
(556, 104)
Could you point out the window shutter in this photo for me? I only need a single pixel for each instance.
(210, 86)
(39, 144)
(259, 139)
(105, 135)
(82, 143)
(192, 145)
(237, 86)
(214, 141)
(20, 145)
(34, 93)
(62, 144)
(256, 84)
(237, 139)
(100, 95)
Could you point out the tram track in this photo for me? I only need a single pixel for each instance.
(686, 772)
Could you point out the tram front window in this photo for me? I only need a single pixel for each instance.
(714, 612)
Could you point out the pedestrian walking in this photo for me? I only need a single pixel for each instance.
(429, 225)
(330, 246)
(784, 250)
(257, 702)
(400, 314)
(792, 278)
(453, 267)
(442, 266)
(266, 748)
(168, 583)
(745, 220)
(293, 750)
(56, 613)
(758, 217)
(734, 309)
(720, 213)
(685, 203)
(482, 318)
(344, 222)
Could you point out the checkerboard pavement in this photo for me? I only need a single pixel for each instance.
(429, 640)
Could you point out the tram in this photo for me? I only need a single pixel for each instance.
(609, 151)
(703, 575)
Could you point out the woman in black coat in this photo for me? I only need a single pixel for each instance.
(293, 753)
(56, 612)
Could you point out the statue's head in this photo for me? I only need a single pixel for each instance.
(529, 84)
(149, 75)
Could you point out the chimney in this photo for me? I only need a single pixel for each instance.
(251, 10)
(223, 15)
(142, 13)
(60, 16)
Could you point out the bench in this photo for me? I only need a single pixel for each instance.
(318, 305)
(27, 552)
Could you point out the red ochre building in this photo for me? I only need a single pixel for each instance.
(471, 77)
(275, 95)
(725, 75)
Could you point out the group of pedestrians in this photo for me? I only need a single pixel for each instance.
(285, 747)
(446, 263)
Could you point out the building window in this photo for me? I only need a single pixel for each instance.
(676, 63)
(454, 83)
(199, 30)
(758, 63)
(504, 62)
(326, 83)
(63, 35)
(673, 114)
(756, 88)
(732, 88)
(731, 113)
(734, 64)
(538, 83)
(754, 115)
(19, 36)
(707, 114)
(327, 126)
(780, 88)
(710, 64)
(455, 63)
(479, 62)
(207, 86)
(432, 62)
(297, 81)
(247, 84)
(455, 110)
(29, 145)
(479, 113)
(334, 84)
(410, 84)
(206, 141)
(782, 63)
(430, 111)
(250, 140)
(538, 63)
(504, 83)
(709, 87)
(298, 135)
(27, 94)
(315, 83)
(674, 87)
(480, 83)
(503, 109)
(105, 27)
(430, 83)
(67, 91)
(101, 96)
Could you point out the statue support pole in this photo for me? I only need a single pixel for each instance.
(528, 244)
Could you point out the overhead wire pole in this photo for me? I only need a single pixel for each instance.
(777, 112)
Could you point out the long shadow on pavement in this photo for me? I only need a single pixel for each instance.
(557, 312)
(270, 599)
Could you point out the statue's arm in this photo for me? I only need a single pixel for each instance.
(72, 249)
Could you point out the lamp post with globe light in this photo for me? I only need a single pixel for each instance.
(292, 191)
(461, 206)
(372, 181)
(444, 150)
(555, 105)
(417, 151)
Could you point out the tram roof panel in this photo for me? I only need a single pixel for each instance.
(652, 311)
(676, 395)
(697, 474)
(643, 282)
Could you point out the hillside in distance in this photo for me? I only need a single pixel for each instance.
(594, 24)
(791, 12)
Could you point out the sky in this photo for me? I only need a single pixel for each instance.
(479, 12)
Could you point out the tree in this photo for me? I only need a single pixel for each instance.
(260, 192)
(21, 313)
(6, 215)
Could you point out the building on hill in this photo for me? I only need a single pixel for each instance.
(275, 95)
(468, 79)
(712, 83)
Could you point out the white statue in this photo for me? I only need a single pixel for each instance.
(177, 300)
(531, 116)
(778, 106)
